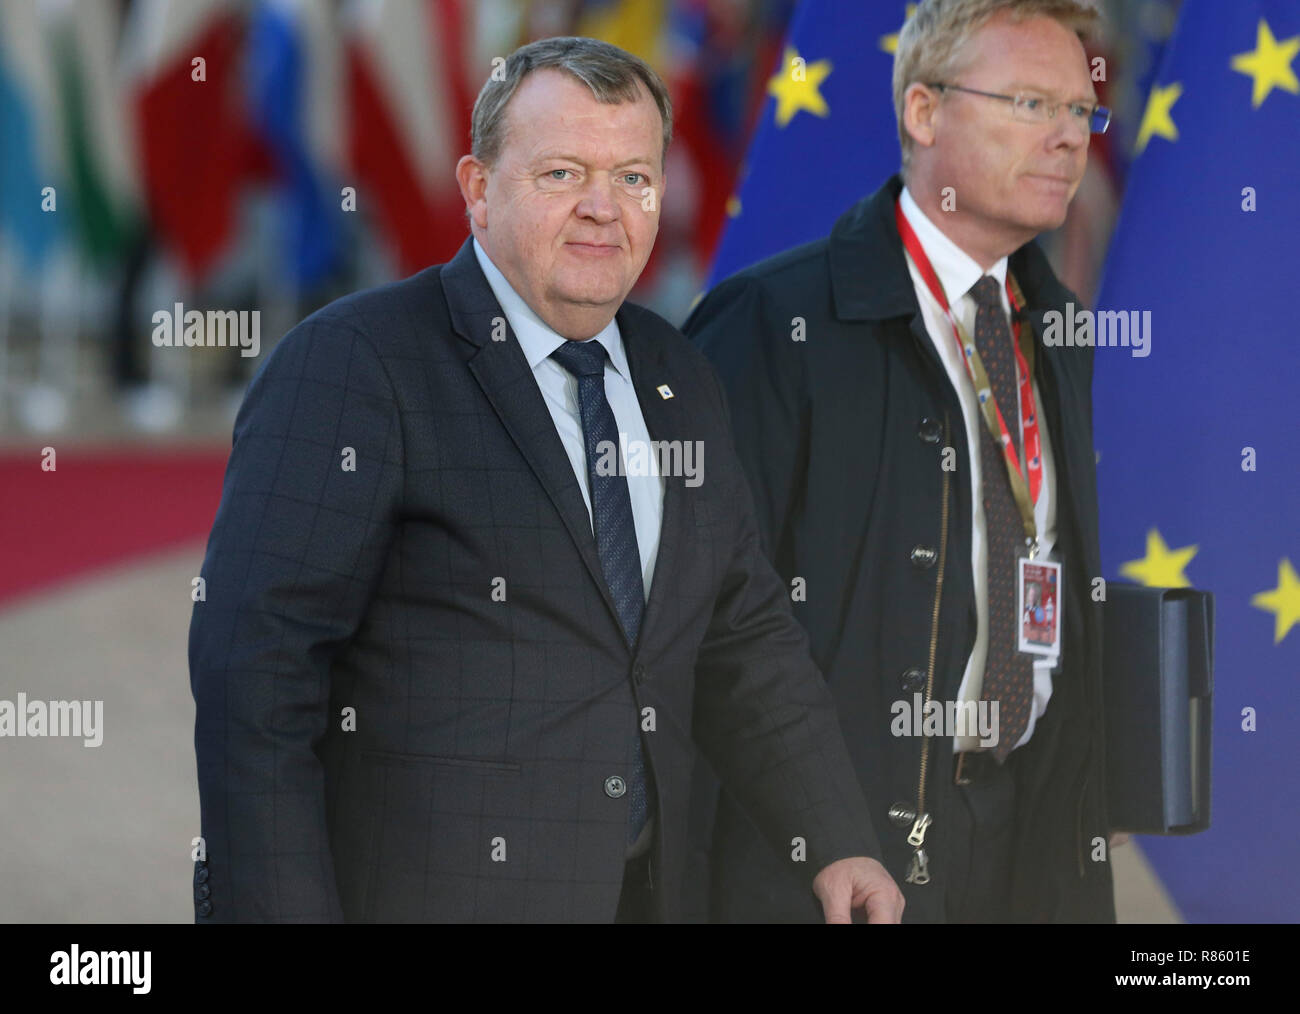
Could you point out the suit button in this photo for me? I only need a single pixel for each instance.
(205, 908)
(638, 673)
(201, 875)
(901, 815)
(923, 557)
(615, 786)
(929, 431)
(201, 892)
(912, 680)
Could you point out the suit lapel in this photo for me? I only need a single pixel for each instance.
(503, 373)
(665, 421)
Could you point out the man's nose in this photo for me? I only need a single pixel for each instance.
(1069, 131)
(599, 202)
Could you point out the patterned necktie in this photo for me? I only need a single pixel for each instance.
(611, 514)
(1009, 676)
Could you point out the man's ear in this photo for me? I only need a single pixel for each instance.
(920, 113)
(471, 175)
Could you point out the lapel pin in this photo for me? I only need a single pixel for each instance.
(665, 392)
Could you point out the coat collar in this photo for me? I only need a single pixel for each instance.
(870, 281)
(869, 276)
(473, 305)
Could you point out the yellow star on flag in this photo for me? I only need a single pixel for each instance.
(889, 43)
(1157, 121)
(1162, 567)
(1269, 64)
(1283, 601)
(795, 87)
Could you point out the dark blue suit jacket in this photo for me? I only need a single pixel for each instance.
(379, 736)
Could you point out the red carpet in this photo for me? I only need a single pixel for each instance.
(100, 507)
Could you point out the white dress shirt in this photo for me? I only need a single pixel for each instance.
(559, 389)
(958, 273)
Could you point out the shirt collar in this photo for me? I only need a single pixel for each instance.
(537, 339)
(957, 270)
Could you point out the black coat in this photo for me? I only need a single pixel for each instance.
(841, 435)
(485, 726)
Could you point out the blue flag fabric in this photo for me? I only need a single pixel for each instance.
(313, 238)
(826, 136)
(32, 232)
(1199, 470)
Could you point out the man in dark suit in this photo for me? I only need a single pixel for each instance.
(881, 483)
(456, 642)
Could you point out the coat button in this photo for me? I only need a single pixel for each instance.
(929, 430)
(912, 680)
(201, 892)
(901, 815)
(205, 908)
(615, 786)
(923, 557)
(638, 673)
(201, 875)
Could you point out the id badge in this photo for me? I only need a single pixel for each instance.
(1039, 597)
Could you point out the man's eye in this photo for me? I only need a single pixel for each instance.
(554, 173)
(634, 179)
(1082, 112)
(1031, 103)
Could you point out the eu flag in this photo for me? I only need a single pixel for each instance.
(1199, 444)
(827, 133)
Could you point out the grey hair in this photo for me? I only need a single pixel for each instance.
(613, 75)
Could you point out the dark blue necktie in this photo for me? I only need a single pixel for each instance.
(615, 529)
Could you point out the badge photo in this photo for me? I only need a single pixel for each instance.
(1039, 599)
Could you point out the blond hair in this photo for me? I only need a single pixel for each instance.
(929, 46)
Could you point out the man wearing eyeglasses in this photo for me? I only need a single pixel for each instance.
(920, 458)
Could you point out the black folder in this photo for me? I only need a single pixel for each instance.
(1158, 681)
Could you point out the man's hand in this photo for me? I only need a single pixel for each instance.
(858, 882)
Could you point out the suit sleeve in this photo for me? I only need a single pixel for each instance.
(764, 716)
(307, 512)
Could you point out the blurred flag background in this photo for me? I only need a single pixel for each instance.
(1199, 470)
(273, 154)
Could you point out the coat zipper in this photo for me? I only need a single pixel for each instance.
(1078, 824)
(918, 871)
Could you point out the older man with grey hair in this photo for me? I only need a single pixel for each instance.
(466, 617)
(971, 479)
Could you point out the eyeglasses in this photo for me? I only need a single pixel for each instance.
(1036, 109)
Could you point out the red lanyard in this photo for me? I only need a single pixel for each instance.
(970, 356)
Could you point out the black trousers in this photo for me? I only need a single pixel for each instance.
(636, 904)
(982, 817)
